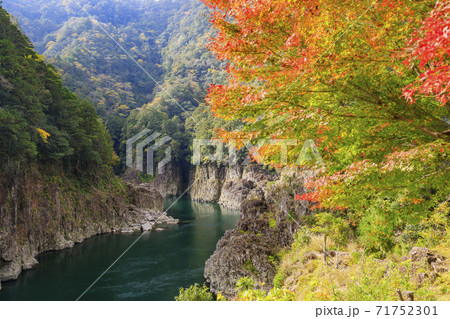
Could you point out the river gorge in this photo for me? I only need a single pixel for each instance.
(155, 268)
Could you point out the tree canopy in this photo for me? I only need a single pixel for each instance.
(42, 122)
(338, 72)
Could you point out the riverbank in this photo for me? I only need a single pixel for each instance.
(40, 213)
(154, 269)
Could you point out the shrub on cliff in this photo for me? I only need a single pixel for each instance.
(195, 293)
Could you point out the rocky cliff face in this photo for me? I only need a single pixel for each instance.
(207, 182)
(230, 185)
(168, 182)
(39, 214)
(267, 224)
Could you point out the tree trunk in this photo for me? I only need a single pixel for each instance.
(337, 258)
(399, 293)
(409, 296)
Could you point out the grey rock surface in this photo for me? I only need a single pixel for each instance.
(38, 215)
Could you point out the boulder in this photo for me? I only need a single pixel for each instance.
(131, 229)
(10, 270)
(440, 266)
(29, 263)
(147, 226)
(420, 254)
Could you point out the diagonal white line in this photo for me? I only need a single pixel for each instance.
(292, 84)
(107, 269)
(129, 247)
(137, 63)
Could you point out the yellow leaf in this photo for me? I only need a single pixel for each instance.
(44, 135)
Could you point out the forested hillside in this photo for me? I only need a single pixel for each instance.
(43, 123)
(166, 42)
(189, 69)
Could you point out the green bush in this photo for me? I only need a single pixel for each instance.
(377, 232)
(195, 293)
(411, 235)
(245, 283)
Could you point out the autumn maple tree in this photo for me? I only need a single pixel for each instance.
(430, 46)
(367, 80)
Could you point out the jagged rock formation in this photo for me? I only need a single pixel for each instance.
(244, 251)
(207, 182)
(428, 262)
(267, 224)
(230, 185)
(168, 182)
(39, 214)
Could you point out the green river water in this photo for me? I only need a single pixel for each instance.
(153, 269)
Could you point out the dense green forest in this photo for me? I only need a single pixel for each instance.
(42, 122)
(153, 74)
